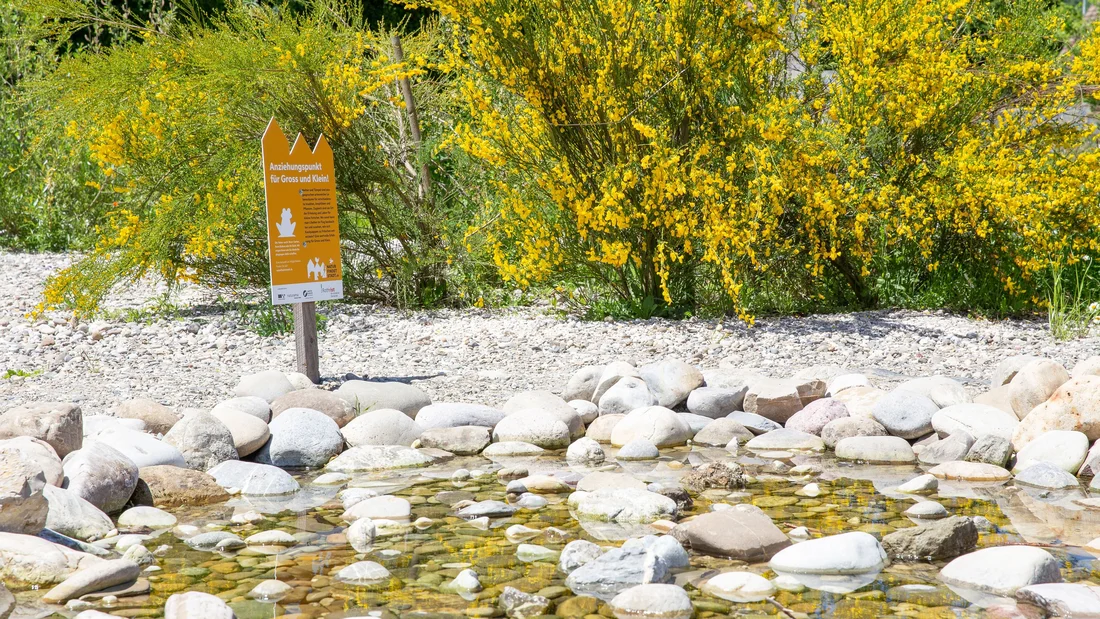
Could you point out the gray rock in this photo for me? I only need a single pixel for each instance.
(695, 423)
(974, 419)
(840, 429)
(716, 402)
(141, 448)
(756, 424)
(585, 451)
(941, 539)
(366, 395)
(490, 509)
(146, 517)
(616, 570)
(203, 440)
(724, 475)
(577, 553)
(511, 449)
(612, 373)
(720, 432)
(251, 478)
(387, 426)
(1002, 570)
(626, 395)
(101, 475)
(213, 539)
(876, 449)
(653, 600)
(587, 411)
(638, 449)
(331, 405)
(23, 505)
(93, 578)
(743, 533)
(784, 439)
(1006, 370)
(535, 427)
(301, 438)
(30, 560)
(72, 516)
(671, 381)
(1063, 599)
(943, 391)
(582, 384)
(657, 424)
(676, 493)
(378, 458)
(196, 605)
(621, 505)
(38, 454)
(1046, 475)
(813, 418)
(1091, 465)
(269, 385)
(990, 449)
(249, 405)
(666, 547)
(848, 553)
(548, 405)
(7, 602)
(462, 440)
(907, 414)
(520, 605)
(950, 449)
(59, 424)
(455, 414)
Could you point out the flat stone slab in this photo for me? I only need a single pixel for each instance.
(970, 471)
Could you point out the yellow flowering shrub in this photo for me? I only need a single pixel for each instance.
(173, 123)
(658, 147)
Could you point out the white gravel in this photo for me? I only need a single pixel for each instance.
(481, 356)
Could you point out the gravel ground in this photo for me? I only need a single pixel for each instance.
(481, 356)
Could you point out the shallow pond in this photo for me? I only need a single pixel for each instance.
(423, 558)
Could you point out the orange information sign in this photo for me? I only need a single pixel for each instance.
(303, 233)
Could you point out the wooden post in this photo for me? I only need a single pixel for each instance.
(305, 340)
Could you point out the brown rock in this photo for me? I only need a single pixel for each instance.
(59, 424)
(724, 475)
(332, 405)
(172, 486)
(942, 539)
(158, 418)
(743, 533)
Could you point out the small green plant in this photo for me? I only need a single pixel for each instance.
(1070, 313)
(9, 373)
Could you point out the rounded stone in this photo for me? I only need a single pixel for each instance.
(203, 440)
(876, 449)
(656, 424)
(847, 553)
(251, 478)
(1064, 449)
(365, 395)
(1002, 570)
(157, 417)
(361, 534)
(741, 587)
(785, 439)
(72, 516)
(535, 427)
(58, 424)
(584, 451)
(670, 381)
(101, 475)
(362, 573)
(943, 391)
(249, 405)
(301, 438)
(587, 411)
(907, 414)
(141, 448)
(600, 429)
(269, 385)
(975, 419)
(549, 405)
(249, 432)
(638, 449)
(715, 402)
(387, 426)
(333, 406)
(625, 395)
(813, 418)
(659, 601)
(146, 517)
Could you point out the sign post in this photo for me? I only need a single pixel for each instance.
(303, 234)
